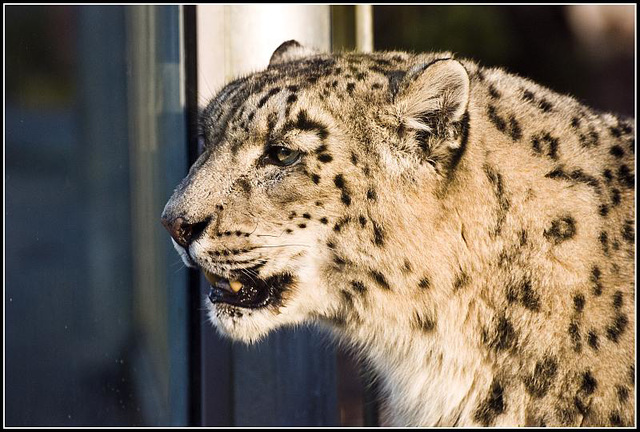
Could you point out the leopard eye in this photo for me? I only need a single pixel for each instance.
(282, 156)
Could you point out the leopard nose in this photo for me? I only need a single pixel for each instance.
(182, 231)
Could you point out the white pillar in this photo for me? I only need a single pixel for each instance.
(364, 28)
(235, 40)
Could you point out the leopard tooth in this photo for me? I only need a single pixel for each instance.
(235, 285)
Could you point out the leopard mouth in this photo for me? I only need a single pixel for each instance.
(246, 291)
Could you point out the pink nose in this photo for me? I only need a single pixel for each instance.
(181, 231)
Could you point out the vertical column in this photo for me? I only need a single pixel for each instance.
(288, 379)
(364, 28)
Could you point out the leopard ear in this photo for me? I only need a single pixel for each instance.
(289, 51)
(431, 102)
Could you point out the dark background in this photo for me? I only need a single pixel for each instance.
(79, 350)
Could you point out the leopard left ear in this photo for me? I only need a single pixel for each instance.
(431, 101)
(439, 89)
(289, 51)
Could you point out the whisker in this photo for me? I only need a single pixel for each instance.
(269, 235)
(283, 245)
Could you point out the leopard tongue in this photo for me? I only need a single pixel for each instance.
(232, 286)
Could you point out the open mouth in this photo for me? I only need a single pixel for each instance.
(247, 291)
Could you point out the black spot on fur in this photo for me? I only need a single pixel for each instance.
(345, 198)
(341, 222)
(623, 393)
(321, 148)
(359, 287)
(244, 185)
(324, 220)
(575, 122)
(495, 178)
(380, 279)
(595, 280)
(303, 226)
(589, 383)
(625, 177)
(498, 121)
(617, 300)
(462, 280)
(577, 175)
(617, 151)
(350, 87)
(378, 234)
(354, 159)
(615, 244)
(315, 178)
(325, 158)
(528, 96)
(574, 334)
(424, 323)
(603, 210)
(615, 419)
(339, 261)
(616, 131)
(492, 406)
(362, 220)
(627, 231)
(424, 283)
(266, 97)
(604, 241)
(589, 140)
(540, 141)
(615, 329)
(592, 340)
(545, 105)
(502, 336)
(291, 99)
(529, 298)
(523, 292)
(514, 129)
(407, 266)
(578, 302)
(304, 123)
(493, 92)
(580, 406)
(616, 198)
(537, 384)
(562, 229)
(347, 298)
(372, 195)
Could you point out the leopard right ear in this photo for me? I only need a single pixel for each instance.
(289, 51)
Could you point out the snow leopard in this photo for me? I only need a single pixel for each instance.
(469, 233)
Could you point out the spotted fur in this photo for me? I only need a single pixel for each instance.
(468, 232)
